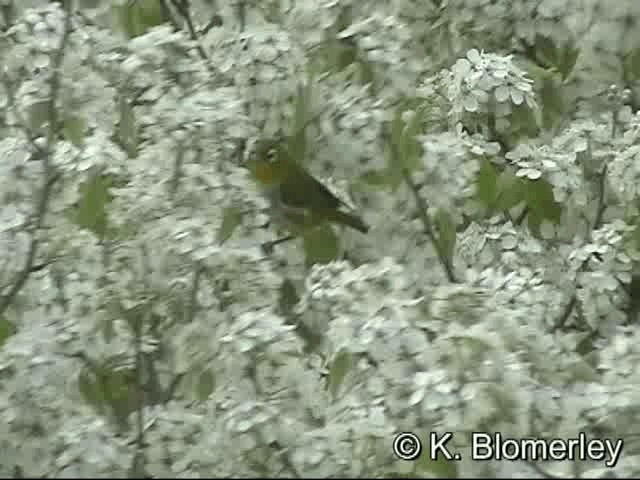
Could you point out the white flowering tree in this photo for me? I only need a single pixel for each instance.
(493, 147)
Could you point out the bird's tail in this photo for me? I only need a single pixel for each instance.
(350, 220)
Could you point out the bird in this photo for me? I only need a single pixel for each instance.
(298, 200)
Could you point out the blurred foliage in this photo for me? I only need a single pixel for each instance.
(135, 18)
(231, 219)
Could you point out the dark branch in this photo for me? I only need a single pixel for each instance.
(428, 229)
(183, 8)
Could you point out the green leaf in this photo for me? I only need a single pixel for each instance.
(554, 57)
(343, 54)
(297, 139)
(366, 70)
(206, 384)
(136, 18)
(546, 52)
(411, 149)
(509, 190)
(542, 206)
(402, 149)
(552, 102)
(91, 211)
(89, 390)
(320, 245)
(126, 19)
(397, 126)
(486, 181)
(569, 58)
(338, 371)
(393, 170)
(127, 134)
(631, 66)
(73, 129)
(231, 218)
(122, 394)
(7, 329)
(446, 232)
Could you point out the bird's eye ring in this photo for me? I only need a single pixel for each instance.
(271, 155)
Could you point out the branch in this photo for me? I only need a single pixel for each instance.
(170, 392)
(423, 208)
(573, 301)
(193, 294)
(168, 14)
(216, 21)
(177, 171)
(182, 6)
(242, 14)
(49, 177)
(522, 216)
(428, 229)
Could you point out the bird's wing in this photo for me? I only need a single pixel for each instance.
(300, 193)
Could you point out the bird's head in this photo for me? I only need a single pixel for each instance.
(267, 162)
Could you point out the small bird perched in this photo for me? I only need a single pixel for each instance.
(297, 199)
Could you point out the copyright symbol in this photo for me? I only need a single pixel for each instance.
(407, 446)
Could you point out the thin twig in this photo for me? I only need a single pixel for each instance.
(520, 218)
(184, 10)
(137, 468)
(242, 14)
(216, 21)
(137, 325)
(267, 247)
(428, 229)
(193, 296)
(573, 301)
(177, 171)
(422, 206)
(173, 387)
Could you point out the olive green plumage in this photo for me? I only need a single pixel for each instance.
(296, 197)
